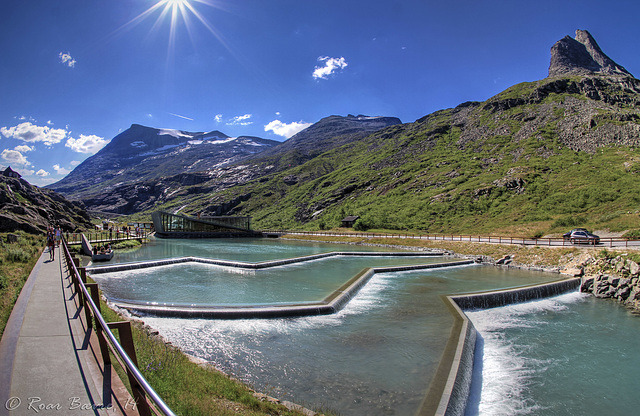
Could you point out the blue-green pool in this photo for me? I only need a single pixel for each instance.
(376, 356)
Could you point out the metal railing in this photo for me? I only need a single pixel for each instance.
(551, 242)
(99, 236)
(146, 398)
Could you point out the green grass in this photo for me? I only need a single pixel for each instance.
(16, 262)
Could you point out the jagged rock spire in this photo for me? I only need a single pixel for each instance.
(581, 56)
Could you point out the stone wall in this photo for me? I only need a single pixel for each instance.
(617, 278)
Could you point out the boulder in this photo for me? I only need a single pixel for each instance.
(587, 284)
(623, 293)
(574, 271)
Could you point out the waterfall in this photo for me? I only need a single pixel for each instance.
(518, 295)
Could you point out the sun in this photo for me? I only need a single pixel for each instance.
(175, 12)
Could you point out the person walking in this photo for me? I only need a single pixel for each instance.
(51, 243)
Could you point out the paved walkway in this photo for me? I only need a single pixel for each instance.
(49, 362)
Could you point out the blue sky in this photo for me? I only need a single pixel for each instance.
(75, 73)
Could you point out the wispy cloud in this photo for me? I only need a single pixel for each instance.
(86, 144)
(331, 65)
(240, 120)
(184, 117)
(218, 118)
(66, 59)
(42, 173)
(31, 133)
(286, 130)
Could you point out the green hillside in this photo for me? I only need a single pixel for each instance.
(538, 158)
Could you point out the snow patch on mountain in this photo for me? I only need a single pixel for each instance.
(175, 133)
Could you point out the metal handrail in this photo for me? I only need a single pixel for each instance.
(611, 242)
(118, 350)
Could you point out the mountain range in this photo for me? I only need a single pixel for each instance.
(540, 155)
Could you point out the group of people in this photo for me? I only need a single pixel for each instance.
(102, 249)
(54, 235)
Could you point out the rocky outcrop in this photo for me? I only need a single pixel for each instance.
(29, 208)
(581, 56)
(618, 278)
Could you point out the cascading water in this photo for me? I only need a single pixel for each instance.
(567, 355)
(377, 355)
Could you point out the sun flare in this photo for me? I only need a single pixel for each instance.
(173, 12)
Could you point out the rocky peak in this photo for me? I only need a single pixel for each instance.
(581, 56)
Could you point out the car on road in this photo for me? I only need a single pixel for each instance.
(567, 235)
(581, 236)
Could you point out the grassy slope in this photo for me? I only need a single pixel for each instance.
(419, 177)
(16, 262)
(429, 176)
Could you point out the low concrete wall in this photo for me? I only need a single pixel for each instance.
(497, 298)
(452, 382)
(331, 304)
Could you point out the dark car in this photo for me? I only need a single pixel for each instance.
(567, 236)
(582, 236)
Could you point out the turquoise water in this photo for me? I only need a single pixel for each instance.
(568, 355)
(376, 356)
(241, 249)
(205, 284)
(558, 356)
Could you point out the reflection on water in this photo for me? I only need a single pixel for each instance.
(376, 356)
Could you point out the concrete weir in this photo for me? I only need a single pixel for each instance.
(450, 386)
(449, 390)
(331, 304)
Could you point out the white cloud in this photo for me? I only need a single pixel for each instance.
(50, 123)
(218, 118)
(60, 170)
(31, 133)
(240, 120)
(286, 130)
(75, 162)
(331, 65)
(14, 157)
(66, 59)
(42, 173)
(24, 148)
(86, 144)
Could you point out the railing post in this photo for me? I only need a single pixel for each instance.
(104, 348)
(126, 340)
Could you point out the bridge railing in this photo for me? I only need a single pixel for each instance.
(527, 241)
(148, 402)
(75, 238)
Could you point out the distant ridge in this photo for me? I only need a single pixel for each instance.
(146, 153)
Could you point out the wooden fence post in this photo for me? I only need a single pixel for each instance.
(126, 340)
(104, 348)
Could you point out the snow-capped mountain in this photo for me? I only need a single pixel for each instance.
(142, 153)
